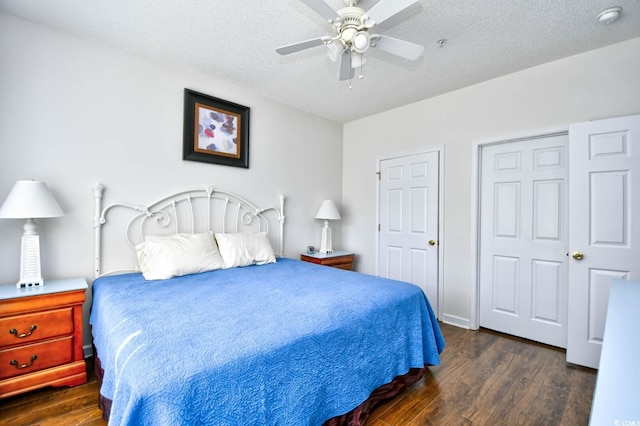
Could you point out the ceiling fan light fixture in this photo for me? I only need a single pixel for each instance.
(358, 60)
(609, 15)
(334, 50)
(360, 41)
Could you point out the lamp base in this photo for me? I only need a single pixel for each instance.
(325, 242)
(30, 275)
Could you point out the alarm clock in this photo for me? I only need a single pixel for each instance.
(311, 249)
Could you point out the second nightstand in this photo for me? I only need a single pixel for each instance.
(337, 259)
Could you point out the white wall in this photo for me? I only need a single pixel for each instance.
(598, 84)
(74, 112)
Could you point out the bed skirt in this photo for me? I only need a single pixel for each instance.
(358, 415)
(355, 417)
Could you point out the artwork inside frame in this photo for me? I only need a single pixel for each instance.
(215, 131)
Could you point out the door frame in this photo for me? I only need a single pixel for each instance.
(383, 157)
(476, 173)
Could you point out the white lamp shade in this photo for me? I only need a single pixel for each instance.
(358, 60)
(335, 50)
(28, 200)
(328, 211)
(360, 41)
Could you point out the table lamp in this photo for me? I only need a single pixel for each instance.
(30, 200)
(328, 211)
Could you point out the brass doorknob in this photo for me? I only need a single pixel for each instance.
(578, 255)
(432, 242)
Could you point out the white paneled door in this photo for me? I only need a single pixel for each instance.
(408, 214)
(604, 227)
(523, 238)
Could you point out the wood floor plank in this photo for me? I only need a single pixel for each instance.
(552, 396)
(45, 403)
(578, 406)
(409, 404)
(448, 407)
(513, 408)
(485, 378)
(494, 390)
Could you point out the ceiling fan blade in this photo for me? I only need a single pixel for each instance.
(346, 72)
(385, 9)
(402, 48)
(322, 9)
(296, 47)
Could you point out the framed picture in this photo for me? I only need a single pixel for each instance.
(215, 131)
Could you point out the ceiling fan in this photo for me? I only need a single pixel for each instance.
(352, 25)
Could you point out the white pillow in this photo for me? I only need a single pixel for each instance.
(163, 257)
(245, 249)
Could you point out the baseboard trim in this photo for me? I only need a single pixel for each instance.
(457, 321)
(87, 350)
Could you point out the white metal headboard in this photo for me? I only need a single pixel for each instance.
(194, 210)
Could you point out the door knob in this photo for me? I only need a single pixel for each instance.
(432, 242)
(578, 255)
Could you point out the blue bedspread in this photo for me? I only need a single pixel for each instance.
(288, 343)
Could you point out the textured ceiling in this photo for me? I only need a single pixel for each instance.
(236, 41)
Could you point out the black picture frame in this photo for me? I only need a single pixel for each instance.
(215, 131)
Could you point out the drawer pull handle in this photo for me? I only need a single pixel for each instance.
(20, 367)
(23, 335)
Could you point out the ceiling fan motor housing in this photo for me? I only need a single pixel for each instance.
(352, 28)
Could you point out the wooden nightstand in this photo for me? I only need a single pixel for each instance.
(337, 259)
(41, 336)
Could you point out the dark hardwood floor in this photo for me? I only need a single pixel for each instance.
(486, 378)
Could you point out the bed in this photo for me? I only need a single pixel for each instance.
(264, 341)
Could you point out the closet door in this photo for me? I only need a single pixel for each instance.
(523, 238)
(604, 226)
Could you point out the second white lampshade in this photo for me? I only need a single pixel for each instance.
(328, 211)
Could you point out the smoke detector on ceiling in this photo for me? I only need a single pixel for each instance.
(609, 15)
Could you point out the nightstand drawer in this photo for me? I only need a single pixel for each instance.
(34, 357)
(21, 329)
(348, 266)
(343, 262)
